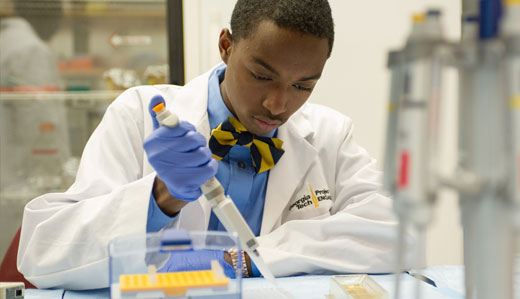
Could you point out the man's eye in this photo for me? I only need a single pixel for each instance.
(260, 77)
(302, 88)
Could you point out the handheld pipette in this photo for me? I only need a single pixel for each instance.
(222, 205)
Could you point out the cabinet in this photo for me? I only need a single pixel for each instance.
(61, 64)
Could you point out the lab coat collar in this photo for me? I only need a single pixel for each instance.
(192, 105)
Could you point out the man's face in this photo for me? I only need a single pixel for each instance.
(270, 74)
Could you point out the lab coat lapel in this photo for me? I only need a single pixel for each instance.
(204, 129)
(192, 103)
(289, 171)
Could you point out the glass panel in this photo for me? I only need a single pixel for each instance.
(61, 64)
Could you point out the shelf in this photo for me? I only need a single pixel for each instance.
(91, 96)
(93, 8)
(117, 14)
(90, 72)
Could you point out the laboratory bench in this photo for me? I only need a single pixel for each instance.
(448, 280)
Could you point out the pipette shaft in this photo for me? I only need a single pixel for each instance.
(222, 205)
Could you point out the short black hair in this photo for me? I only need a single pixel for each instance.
(303, 16)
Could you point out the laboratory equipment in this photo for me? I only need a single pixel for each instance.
(412, 136)
(157, 74)
(175, 283)
(42, 135)
(355, 286)
(222, 205)
(134, 261)
(486, 177)
(511, 34)
(45, 164)
(90, 37)
(120, 79)
(12, 290)
(396, 92)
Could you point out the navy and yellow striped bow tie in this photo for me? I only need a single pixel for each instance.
(265, 151)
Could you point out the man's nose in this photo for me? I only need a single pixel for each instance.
(276, 101)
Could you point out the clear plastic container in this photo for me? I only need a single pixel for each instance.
(134, 260)
(358, 286)
(46, 159)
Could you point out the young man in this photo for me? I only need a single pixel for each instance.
(316, 210)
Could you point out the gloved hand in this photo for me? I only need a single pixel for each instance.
(180, 157)
(193, 260)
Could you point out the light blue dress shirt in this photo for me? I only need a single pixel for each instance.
(235, 171)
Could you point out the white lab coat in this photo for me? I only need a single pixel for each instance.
(64, 236)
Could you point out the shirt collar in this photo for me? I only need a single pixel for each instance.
(217, 109)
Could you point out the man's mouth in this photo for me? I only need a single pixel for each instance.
(268, 124)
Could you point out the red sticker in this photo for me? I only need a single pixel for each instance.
(403, 170)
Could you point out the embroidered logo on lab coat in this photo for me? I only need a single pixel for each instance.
(311, 200)
(314, 199)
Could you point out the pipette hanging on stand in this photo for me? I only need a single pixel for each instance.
(412, 129)
(487, 177)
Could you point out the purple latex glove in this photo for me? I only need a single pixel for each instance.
(180, 157)
(194, 260)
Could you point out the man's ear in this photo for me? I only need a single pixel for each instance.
(225, 43)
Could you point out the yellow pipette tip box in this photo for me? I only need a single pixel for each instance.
(134, 260)
(172, 284)
(358, 286)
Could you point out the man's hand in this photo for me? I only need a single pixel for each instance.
(197, 260)
(181, 159)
